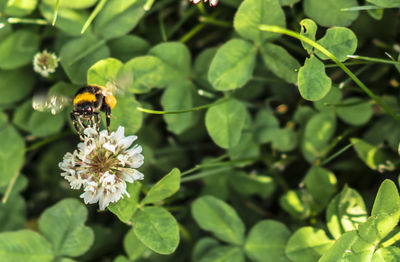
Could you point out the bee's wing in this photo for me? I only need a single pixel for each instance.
(50, 103)
(121, 83)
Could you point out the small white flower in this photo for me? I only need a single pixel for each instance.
(211, 2)
(102, 165)
(75, 181)
(91, 194)
(45, 63)
(132, 158)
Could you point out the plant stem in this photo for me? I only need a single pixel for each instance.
(10, 186)
(192, 33)
(197, 167)
(255, 208)
(225, 165)
(87, 51)
(156, 112)
(357, 73)
(201, 8)
(266, 79)
(336, 154)
(214, 21)
(183, 19)
(292, 46)
(334, 143)
(373, 59)
(185, 233)
(347, 104)
(361, 8)
(17, 20)
(349, 64)
(162, 27)
(56, 12)
(280, 30)
(95, 12)
(196, 29)
(148, 5)
(281, 182)
(391, 241)
(205, 174)
(46, 141)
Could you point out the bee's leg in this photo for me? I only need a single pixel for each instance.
(108, 118)
(75, 123)
(98, 120)
(91, 120)
(82, 124)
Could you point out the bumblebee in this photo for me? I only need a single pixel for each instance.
(88, 102)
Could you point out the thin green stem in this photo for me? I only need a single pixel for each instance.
(87, 51)
(336, 154)
(266, 79)
(204, 174)
(381, 44)
(206, 94)
(292, 46)
(185, 233)
(347, 104)
(56, 12)
(281, 182)
(156, 112)
(157, 7)
(349, 64)
(361, 8)
(197, 167)
(373, 59)
(18, 20)
(95, 12)
(255, 208)
(10, 187)
(162, 27)
(379, 101)
(201, 8)
(219, 167)
(214, 21)
(183, 19)
(46, 141)
(192, 33)
(357, 73)
(334, 143)
(148, 5)
(391, 241)
(196, 29)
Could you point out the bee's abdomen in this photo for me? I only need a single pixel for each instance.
(84, 97)
(111, 101)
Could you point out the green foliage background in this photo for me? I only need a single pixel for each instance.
(258, 146)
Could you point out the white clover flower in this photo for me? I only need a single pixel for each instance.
(45, 63)
(102, 165)
(211, 2)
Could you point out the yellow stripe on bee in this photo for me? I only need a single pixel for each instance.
(111, 101)
(84, 97)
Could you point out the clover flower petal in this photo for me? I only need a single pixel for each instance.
(102, 164)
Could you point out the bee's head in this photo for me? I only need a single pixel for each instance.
(85, 109)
